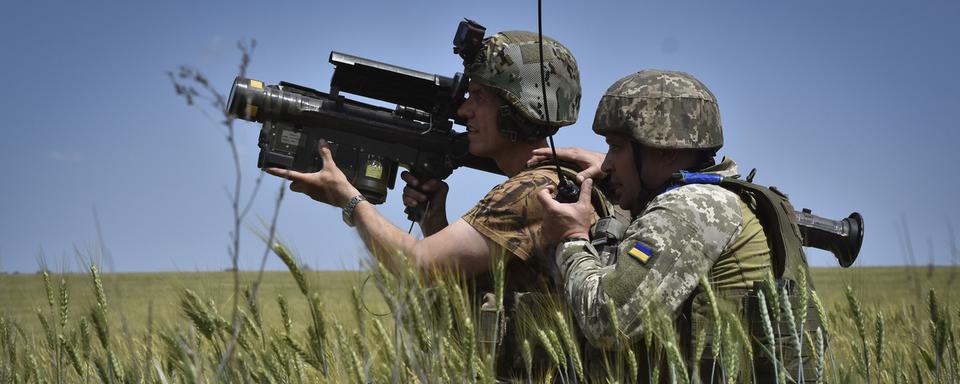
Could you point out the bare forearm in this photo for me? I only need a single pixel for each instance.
(385, 241)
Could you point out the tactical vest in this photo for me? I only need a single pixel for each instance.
(779, 223)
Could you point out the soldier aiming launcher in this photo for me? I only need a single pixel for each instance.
(368, 142)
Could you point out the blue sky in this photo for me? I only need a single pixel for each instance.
(847, 106)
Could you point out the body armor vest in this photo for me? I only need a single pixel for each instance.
(774, 213)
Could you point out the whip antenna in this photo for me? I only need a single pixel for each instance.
(567, 192)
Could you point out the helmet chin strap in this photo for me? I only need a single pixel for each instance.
(646, 193)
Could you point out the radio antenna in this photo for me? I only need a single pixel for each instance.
(567, 192)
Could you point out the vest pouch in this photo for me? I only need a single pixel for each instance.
(489, 328)
(706, 368)
(524, 313)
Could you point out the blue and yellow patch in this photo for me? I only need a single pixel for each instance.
(641, 253)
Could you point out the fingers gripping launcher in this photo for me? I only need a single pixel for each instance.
(368, 142)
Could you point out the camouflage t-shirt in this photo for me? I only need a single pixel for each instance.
(510, 216)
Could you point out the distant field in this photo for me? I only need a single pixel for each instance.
(882, 287)
(130, 294)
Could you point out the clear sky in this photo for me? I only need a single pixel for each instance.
(846, 105)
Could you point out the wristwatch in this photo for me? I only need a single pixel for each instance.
(348, 210)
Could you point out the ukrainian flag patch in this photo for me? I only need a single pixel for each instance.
(641, 253)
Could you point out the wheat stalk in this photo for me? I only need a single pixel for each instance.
(446, 312)
(699, 345)
(284, 313)
(730, 356)
(527, 353)
(293, 266)
(614, 322)
(548, 346)
(861, 331)
(99, 314)
(794, 331)
(561, 351)
(357, 301)
(821, 355)
(64, 304)
(771, 285)
(361, 352)
(48, 288)
(714, 312)
(821, 312)
(33, 368)
(802, 309)
(632, 366)
(742, 336)
(878, 354)
(574, 350)
(317, 332)
(768, 332)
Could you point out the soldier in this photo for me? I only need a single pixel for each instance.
(656, 124)
(505, 121)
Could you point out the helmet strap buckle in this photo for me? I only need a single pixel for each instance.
(510, 125)
(515, 128)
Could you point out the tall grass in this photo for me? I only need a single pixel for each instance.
(432, 335)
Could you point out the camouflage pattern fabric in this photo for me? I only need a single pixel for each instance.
(510, 62)
(685, 231)
(661, 109)
(510, 214)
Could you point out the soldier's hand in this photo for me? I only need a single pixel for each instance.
(566, 220)
(329, 185)
(432, 192)
(588, 161)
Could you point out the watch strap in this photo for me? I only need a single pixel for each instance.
(351, 206)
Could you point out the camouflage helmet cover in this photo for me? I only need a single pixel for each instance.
(509, 62)
(661, 109)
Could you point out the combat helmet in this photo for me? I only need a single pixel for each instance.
(661, 109)
(509, 62)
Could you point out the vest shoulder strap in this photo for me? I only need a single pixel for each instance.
(776, 215)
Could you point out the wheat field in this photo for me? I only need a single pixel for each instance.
(883, 325)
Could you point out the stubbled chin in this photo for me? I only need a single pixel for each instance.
(475, 150)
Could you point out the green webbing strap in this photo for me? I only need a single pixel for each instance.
(775, 214)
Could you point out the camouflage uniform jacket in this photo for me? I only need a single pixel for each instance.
(666, 249)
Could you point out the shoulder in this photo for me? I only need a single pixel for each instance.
(510, 214)
(706, 215)
(542, 176)
(702, 205)
(520, 187)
